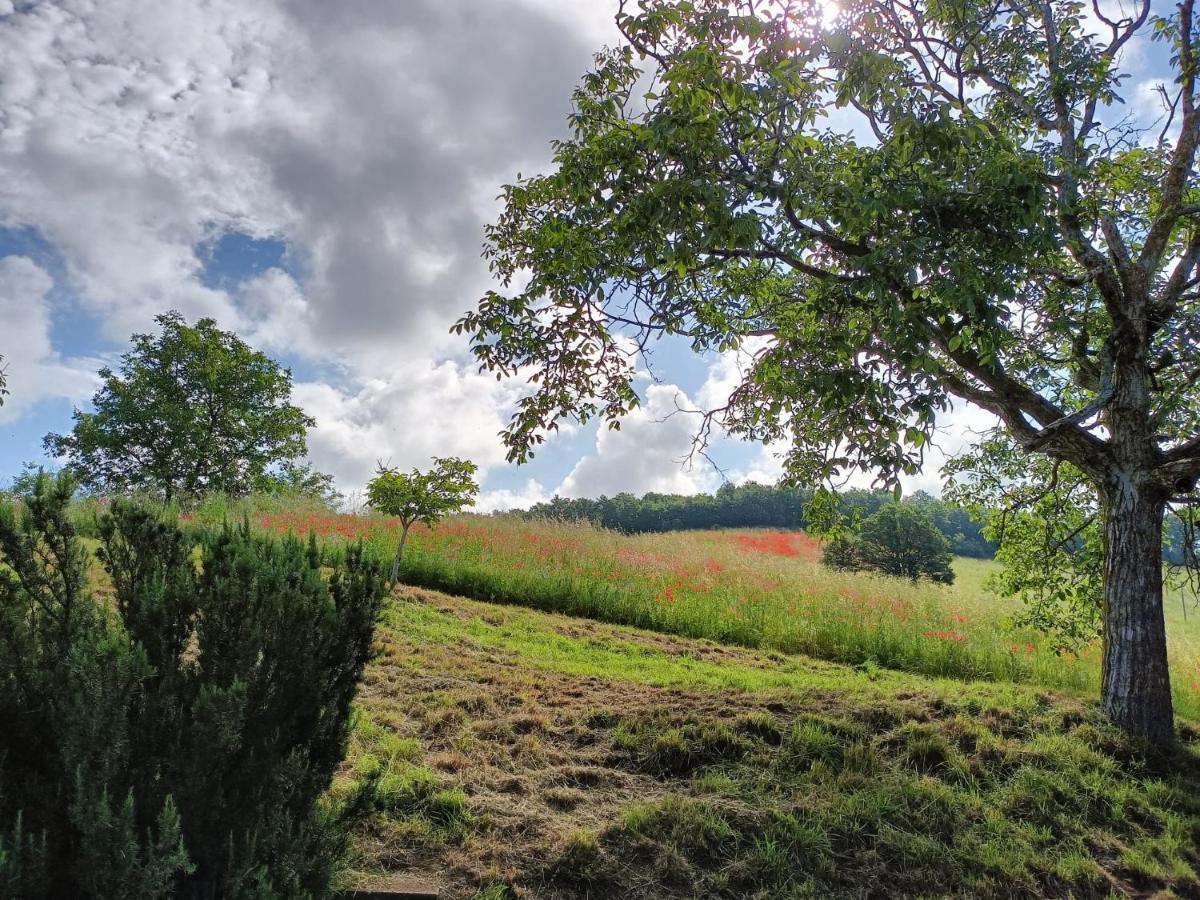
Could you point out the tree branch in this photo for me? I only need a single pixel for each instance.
(1183, 157)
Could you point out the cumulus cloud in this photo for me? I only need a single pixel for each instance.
(276, 314)
(765, 467)
(415, 412)
(505, 499)
(646, 454)
(371, 138)
(34, 370)
(364, 134)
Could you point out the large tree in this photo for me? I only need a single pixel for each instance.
(192, 409)
(913, 204)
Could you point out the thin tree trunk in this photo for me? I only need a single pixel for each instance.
(1135, 689)
(399, 553)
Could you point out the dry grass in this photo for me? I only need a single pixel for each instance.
(539, 756)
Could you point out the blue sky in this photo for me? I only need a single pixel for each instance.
(316, 177)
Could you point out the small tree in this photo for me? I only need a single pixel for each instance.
(899, 539)
(193, 409)
(422, 496)
(841, 553)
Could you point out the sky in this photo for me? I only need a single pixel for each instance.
(316, 177)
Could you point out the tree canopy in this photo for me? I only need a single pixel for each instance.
(191, 409)
(914, 205)
(900, 540)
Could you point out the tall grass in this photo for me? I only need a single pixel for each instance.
(758, 589)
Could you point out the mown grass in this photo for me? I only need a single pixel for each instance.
(709, 771)
(754, 589)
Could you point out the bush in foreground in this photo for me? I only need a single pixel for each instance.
(176, 741)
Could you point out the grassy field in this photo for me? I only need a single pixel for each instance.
(515, 753)
(771, 730)
(757, 589)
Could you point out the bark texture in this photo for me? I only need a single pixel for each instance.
(1135, 690)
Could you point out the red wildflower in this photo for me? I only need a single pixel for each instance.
(950, 635)
(780, 543)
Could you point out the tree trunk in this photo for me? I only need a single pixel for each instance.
(1135, 688)
(399, 553)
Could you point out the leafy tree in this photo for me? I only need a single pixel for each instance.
(983, 224)
(900, 540)
(841, 553)
(422, 496)
(192, 410)
(294, 479)
(174, 741)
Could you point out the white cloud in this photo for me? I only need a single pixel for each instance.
(765, 468)
(646, 454)
(415, 412)
(34, 370)
(505, 498)
(106, 150)
(276, 314)
(371, 137)
(364, 134)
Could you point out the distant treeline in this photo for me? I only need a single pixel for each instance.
(751, 505)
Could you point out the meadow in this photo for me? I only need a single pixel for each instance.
(753, 588)
(773, 729)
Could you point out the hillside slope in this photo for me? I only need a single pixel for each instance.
(513, 753)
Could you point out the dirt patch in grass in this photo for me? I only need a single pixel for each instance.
(505, 766)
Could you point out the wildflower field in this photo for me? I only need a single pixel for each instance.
(759, 589)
